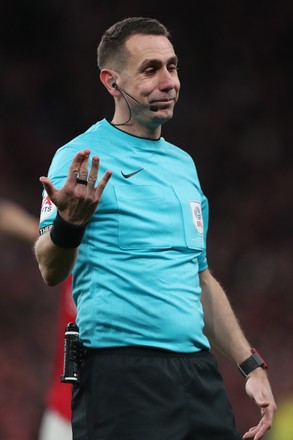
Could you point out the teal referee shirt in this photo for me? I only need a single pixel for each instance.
(136, 278)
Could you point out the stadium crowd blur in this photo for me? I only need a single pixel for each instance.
(234, 116)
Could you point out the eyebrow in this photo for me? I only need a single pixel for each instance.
(156, 62)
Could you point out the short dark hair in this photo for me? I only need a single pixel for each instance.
(111, 50)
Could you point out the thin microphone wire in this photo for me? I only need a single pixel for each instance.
(130, 96)
(152, 108)
(127, 103)
(123, 93)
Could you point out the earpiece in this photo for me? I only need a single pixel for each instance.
(114, 85)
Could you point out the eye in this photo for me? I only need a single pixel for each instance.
(173, 68)
(150, 70)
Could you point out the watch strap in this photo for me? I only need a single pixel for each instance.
(254, 361)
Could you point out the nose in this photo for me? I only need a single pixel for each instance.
(168, 80)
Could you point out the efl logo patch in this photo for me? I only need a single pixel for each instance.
(197, 216)
(47, 209)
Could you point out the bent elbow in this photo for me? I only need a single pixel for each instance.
(51, 282)
(50, 278)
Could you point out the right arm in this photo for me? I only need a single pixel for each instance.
(76, 203)
(55, 263)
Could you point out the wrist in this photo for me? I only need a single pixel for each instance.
(251, 363)
(66, 235)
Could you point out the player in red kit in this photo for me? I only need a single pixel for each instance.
(56, 422)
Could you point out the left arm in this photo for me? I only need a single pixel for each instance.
(224, 332)
(221, 325)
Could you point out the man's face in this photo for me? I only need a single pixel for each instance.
(151, 74)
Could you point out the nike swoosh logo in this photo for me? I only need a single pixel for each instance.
(126, 176)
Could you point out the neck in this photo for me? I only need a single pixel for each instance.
(150, 131)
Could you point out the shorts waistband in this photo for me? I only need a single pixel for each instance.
(142, 351)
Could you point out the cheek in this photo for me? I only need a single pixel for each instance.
(177, 86)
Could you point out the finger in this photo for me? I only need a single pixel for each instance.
(261, 432)
(103, 183)
(84, 164)
(250, 433)
(79, 165)
(93, 174)
(48, 186)
(257, 432)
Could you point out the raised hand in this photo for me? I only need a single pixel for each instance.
(80, 196)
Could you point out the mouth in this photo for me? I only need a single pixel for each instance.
(164, 103)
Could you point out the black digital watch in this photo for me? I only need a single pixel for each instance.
(254, 361)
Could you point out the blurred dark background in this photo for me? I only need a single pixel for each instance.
(234, 117)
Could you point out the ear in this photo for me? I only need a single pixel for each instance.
(108, 77)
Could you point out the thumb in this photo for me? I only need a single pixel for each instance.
(48, 186)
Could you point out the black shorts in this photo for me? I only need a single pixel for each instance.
(150, 394)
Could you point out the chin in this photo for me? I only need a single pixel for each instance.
(165, 114)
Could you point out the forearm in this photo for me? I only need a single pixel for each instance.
(17, 223)
(55, 263)
(221, 325)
